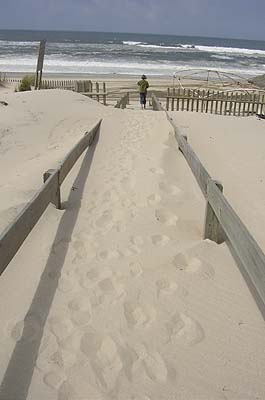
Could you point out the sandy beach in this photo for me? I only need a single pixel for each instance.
(117, 296)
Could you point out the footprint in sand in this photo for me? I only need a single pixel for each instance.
(80, 248)
(111, 289)
(129, 251)
(93, 276)
(105, 221)
(136, 269)
(60, 326)
(138, 315)
(104, 358)
(154, 365)
(29, 328)
(137, 240)
(153, 199)
(160, 240)
(120, 227)
(192, 264)
(170, 189)
(186, 329)
(55, 358)
(165, 286)
(106, 255)
(128, 183)
(166, 217)
(54, 379)
(157, 171)
(65, 285)
(80, 309)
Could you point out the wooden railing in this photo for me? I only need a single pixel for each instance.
(215, 102)
(221, 220)
(17, 231)
(122, 103)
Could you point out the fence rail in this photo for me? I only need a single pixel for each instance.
(17, 231)
(221, 220)
(215, 102)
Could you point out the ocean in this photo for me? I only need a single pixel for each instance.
(124, 53)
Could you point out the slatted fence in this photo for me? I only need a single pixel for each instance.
(215, 102)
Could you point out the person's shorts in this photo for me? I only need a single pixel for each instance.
(143, 98)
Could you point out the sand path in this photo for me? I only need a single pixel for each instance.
(131, 303)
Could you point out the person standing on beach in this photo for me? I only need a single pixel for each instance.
(143, 86)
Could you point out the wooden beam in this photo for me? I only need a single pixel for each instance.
(212, 228)
(75, 153)
(243, 243)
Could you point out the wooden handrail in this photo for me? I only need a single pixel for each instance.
(17, 231)
(221, 221)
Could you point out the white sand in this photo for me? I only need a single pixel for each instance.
(118, 296)
(233, 151)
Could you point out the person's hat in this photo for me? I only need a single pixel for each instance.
(143, 77)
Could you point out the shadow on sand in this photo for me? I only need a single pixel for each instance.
(18, 376)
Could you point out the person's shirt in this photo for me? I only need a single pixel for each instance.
(143, 85)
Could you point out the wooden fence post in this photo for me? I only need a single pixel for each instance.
(168, 94)
(57, 198)
(97, 90)
(213, 229)
(105, 96)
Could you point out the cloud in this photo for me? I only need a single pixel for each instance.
(234, 18)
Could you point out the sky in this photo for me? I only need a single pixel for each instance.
(216, 18)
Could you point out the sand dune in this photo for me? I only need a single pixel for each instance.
(118, 296)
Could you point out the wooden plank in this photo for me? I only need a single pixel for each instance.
(231, 103)
(188, 100)
(97, 90)
(262, 104)
(207, 102)
(221, 103)
(75, 153)
(202, 101)
(216, 106)
(104, 95)
(172, 100)
(192, 100)
(245, 246)
(197, 104)
(244, 107)
(235, 104)
(196, 166)
(18, 230)
(249, 104)
(258, 104)
(178, 96)
(212, 98)
(168, 94)
(239, 104)
(183, 100)
(156, 105)
(212, 228)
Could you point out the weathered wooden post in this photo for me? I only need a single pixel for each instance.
(168, 94)
(87, 86)
(38, 76)
(57, 197)
(105, 95)
(213, 229)
(97, 90)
